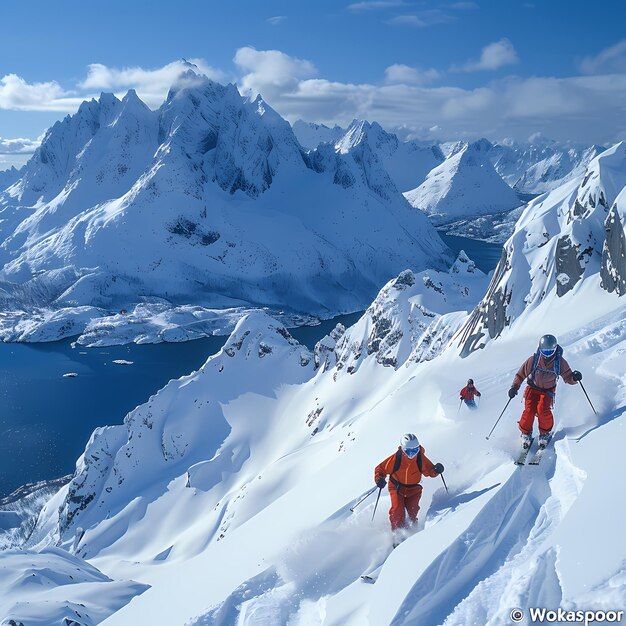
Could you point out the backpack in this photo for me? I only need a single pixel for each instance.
(396, 466)
(556, 371)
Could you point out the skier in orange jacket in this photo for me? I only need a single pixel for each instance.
(405, 469)
(541, 371)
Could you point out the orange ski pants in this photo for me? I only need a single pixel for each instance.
(539, 404)
(404, 501)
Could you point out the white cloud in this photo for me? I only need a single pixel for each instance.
(19, 146)
(399, 73)
(513, 106)
(19, 95)
(421, 19)
(493, 57)
(611, 60)
(369, 5)
(151, 85)
(269, 71)
(276, 20)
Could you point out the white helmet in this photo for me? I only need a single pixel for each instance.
(410, 445)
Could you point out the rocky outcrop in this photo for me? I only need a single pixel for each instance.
(568, 269)
(613, 267)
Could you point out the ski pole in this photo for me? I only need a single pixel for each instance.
(580, 382)
(444, 482)
(367, 495)
(501, 414)
(459, 409)
(380, 490)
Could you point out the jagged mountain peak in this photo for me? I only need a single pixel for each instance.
(218, 177)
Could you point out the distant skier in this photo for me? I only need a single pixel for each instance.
(541, 372)
(405, 469)
(467, 394)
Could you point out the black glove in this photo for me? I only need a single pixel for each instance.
(461, 398)
(576, 375)
(439, 468)
(513, 391)
(381, 482)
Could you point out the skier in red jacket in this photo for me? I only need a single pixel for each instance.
(467, 394)
(405, 469)
(541, 371)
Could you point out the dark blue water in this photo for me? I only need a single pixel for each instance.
(485, 255)
(46, 420)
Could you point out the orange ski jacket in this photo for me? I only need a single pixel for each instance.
(408, 474)
(468, 393)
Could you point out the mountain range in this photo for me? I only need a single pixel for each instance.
(258, 459)
(209, 200)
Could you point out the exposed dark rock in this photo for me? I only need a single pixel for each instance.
(405, 279)
(568, 269)
(613, 267)
(490, 313)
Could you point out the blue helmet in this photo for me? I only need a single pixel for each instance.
(548, 345)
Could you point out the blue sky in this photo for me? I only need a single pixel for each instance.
(442, 70)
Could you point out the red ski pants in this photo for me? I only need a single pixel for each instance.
(405, 500)
(540, 404)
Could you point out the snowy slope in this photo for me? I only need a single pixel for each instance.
(407, 163)
(254, 461)
(464, 185)
(208, 201)
(266, 499)
(567, 244)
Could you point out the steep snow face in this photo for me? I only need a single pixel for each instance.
(464, 185)
(568, 241)
(407, 163)
(311, 135)
(197, 449)
(212, 201)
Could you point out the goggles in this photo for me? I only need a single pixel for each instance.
(548, 353)
(411, 452)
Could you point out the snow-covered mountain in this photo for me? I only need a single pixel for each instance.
(209, 200)
(568, 245)
(406, 162)
(556, 169)
(8, 177)
(464, 185)
(255, 461)
(311, 135)
(532, 167)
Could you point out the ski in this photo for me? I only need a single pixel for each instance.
(537, 456)
(521, 459)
